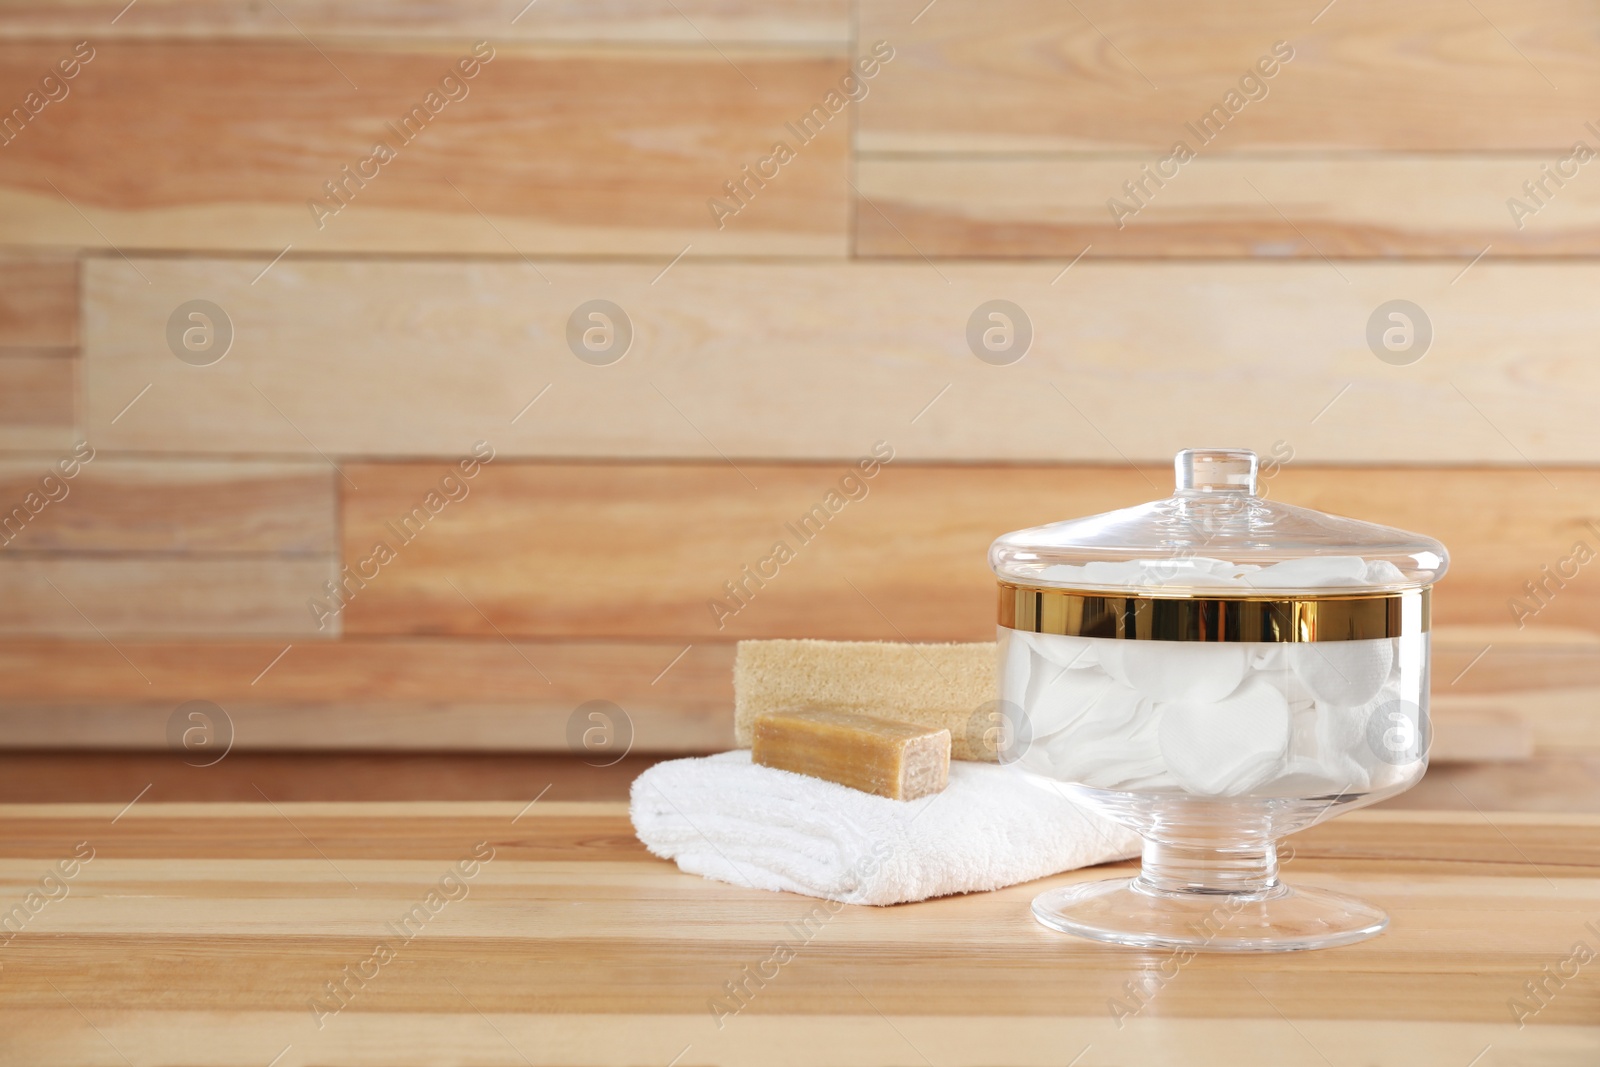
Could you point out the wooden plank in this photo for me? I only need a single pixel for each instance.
(1225, 206)
(117, 506)
(1564, 783)
(180, 901)
(42, 439)
(627, 166)
(116, 598)
(1030, 75)
(417, 672)
(427, 695)
(128, 548)
(1488, 661)
(1469, 735)
(1553, 690)
(53, 1036)
(1557, 721)
(538, 724)
(693, 22)
(645, 550)
(34, 777)
(38, 301)
(38, 397)
(1128, 361)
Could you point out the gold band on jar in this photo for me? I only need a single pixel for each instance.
(1357, 617)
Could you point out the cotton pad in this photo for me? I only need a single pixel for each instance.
(1343, 672)
(1184, 570)
(1393, 735)
(1045, 677)
(1037, 757)
(1087, 701)
(1382, 572)
(1016, 665)
(1159, 782)
(1302, 730)
(1110, 760)
(1287, 682)
(1120, 572)
(1342, 758)
(1229, 746)
(1063, 651)
(1311, 572)
(1269, 656)
(1117, 710)
(1303, 778)
(1176, 670)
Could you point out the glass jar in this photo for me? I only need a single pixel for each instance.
(1215, 670)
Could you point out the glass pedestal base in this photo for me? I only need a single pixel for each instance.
(1278, 918)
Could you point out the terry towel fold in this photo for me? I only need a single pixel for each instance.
(726, 818)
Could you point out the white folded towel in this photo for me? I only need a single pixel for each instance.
(726, 818)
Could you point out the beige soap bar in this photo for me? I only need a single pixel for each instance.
(951, 686)
(898, 760)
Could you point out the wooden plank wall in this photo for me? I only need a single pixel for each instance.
(384, 497)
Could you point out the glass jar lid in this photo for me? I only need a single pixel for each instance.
(1215, 537)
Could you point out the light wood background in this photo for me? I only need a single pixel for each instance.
(829, 314)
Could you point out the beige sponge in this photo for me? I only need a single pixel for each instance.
(940, 686)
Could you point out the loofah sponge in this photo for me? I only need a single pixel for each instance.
(950, 686)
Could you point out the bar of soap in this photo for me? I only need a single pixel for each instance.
(892, 759)
(950, 686)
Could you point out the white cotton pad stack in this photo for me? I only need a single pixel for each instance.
(1209, 719)
(1200, 573)
(1313, 572)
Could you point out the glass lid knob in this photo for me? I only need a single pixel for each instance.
(1216, 470)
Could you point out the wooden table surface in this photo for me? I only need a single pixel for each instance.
(209, 934)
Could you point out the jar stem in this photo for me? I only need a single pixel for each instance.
(1246, 864)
